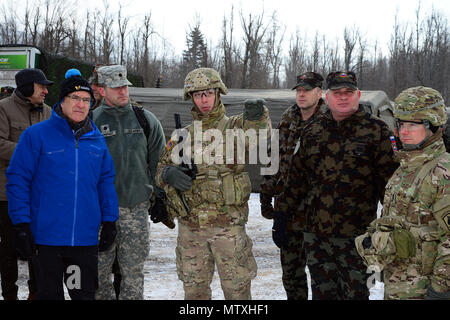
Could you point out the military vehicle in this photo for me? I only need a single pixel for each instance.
(15, 57)
(164, 102)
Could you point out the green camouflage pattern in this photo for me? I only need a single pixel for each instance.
(420, 103)
(114, 76)
(426, 217)
(337, 272)
(202, 79)
(219, 194)
(199, 250)
(339, 172)
(290, 128)
(131, 248)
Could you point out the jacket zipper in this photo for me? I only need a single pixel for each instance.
(76, 193)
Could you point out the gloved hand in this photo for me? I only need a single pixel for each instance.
(24, 240)
(266, 205)
(177, 178)
(279, 232)
(159, 212)
(107, 235)
(254, 109)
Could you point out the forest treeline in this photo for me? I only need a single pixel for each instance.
(250, 50)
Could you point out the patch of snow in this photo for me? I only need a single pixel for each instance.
(161, 280)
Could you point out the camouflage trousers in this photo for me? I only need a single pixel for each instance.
(131, 247)
(337, 271)
(199, 250)
(293, 263)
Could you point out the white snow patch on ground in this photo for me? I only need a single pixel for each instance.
(161, 280)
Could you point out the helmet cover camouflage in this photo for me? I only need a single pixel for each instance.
(420, 103)
(202, 79)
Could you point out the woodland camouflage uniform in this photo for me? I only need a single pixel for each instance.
(339, 172)
(293, 261)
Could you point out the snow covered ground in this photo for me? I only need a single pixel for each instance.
(161, 281)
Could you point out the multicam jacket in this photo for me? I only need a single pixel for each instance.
(290, 128)
(339, 172)
(219, 194)
(426, 213)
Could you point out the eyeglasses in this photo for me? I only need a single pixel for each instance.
(410, 126)
(85, 101)
(208, 93)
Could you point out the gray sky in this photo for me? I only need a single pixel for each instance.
(172, 18)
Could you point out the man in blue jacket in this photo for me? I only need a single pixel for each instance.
(60, 190)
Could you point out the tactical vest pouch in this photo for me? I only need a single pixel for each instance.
(405, 243)
(243, 187)
(228, 189)
(428, 236)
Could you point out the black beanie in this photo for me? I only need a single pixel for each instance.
(74, 81)
(26, 78)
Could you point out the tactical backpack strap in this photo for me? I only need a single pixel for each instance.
(424, 172)
(222, 123)
(142, 119)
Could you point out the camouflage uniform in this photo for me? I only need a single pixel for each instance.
(339, 173)
(135, 160)
(214, 229)
(411, 240)
(292, 258)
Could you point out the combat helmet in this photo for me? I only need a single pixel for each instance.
(202, 79)
(421, 104)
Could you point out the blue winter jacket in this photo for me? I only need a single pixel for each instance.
(64, 187)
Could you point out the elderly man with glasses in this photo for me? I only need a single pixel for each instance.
(60, 190)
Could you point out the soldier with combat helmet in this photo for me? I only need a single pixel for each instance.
(411, 240)
(211, 209)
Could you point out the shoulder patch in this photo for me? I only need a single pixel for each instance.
(170, 145)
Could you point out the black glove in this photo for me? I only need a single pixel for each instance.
(24, 240)
(279, 232)
(266, 205)
(177, 178)
(107, 235)
(159, 212)
(254, 109)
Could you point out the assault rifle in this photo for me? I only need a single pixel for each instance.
(192, 167)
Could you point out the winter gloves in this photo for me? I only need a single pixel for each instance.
(177, 177)
(107, 235)
(279, 232)
(24, 240)
(159, 212)
(266, 205)
(254, 109)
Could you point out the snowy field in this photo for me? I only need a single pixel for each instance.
(161, 281)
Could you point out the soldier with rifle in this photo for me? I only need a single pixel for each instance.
(210, 198)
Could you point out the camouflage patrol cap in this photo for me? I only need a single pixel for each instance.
(420, 103)
(113, 76)
(342, 79)
(202, 79)
(309, 80)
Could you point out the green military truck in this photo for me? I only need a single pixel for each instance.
(164, 102)
(16, 57)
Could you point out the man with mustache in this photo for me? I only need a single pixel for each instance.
(19, 111)
(135, 159)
